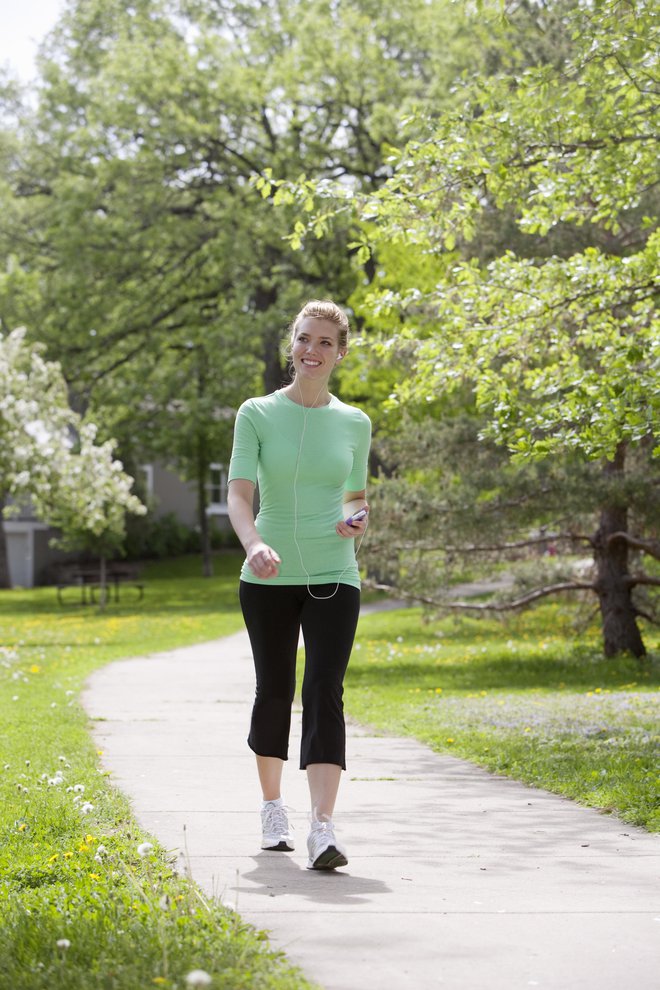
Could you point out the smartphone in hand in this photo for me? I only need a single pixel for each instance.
(360, 514)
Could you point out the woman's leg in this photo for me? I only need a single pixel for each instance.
(329, 629)
(323, 780)
(272, 618)
(270, 769)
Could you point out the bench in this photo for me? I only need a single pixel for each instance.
(87, 578)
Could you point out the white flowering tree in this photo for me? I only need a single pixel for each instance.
(49, 457)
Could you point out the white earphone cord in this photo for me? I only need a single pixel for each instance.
(318, 598)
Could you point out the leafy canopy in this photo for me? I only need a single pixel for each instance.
(561, 347)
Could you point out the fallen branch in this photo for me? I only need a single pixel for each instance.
(532, 596)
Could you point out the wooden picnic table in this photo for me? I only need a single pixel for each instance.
(87, 578)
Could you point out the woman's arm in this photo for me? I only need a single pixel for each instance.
(262, 560)
(353, 501)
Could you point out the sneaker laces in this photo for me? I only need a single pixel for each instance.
(276, 819)
(323, 826)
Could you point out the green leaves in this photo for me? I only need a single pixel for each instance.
(560, 337)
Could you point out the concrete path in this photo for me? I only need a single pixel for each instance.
(456, 880)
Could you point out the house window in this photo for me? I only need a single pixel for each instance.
(147, 479)
(217, 487)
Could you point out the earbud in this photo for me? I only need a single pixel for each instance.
(339, 357)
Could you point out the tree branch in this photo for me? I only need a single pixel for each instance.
(651, 547)
(649, 618)
(553, 589)
(632, 580)
(492, 548)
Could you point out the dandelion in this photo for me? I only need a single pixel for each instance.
(87, 807)
(78, 788)
(95, 876)
(101, 850)
(98, 859)
(144, 848)
(198, 978)
(63, 943)
(68, 855)
(449, 740)
(23, 827)
(53, 858)
(159, 980)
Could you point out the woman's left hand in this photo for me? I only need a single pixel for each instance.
(354, 529)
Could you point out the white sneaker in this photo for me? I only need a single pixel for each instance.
(276, 832)
(325, 853)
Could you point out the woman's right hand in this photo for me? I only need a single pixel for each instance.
(263, 561)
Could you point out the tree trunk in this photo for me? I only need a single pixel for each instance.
(5, 579)
(203, 467)
(265, 297)
(620, 631)
(202, 506)
(103, 583)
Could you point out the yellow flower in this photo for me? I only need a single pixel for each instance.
(159, 979)
(82, 848)
(449, 740)
(90, 839)
(54, 857)
(438, 690)
(35, 669)
(22, 827)
(95, 876)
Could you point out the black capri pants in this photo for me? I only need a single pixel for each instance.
(274, 615)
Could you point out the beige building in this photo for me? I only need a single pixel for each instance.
(31, 558)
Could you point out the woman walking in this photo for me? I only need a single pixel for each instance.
(308, 452)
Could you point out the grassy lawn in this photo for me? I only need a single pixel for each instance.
(83, 902)
(520, 697)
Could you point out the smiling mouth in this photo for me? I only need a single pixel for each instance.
(311, 364)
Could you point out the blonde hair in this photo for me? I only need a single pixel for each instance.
(322, 309)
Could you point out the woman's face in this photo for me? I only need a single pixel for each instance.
(315, 349)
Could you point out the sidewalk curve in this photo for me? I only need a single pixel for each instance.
(457, 879)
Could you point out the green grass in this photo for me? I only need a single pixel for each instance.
(71, 873)
(522, 698)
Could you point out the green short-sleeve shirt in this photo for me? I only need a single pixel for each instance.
(300, 525)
